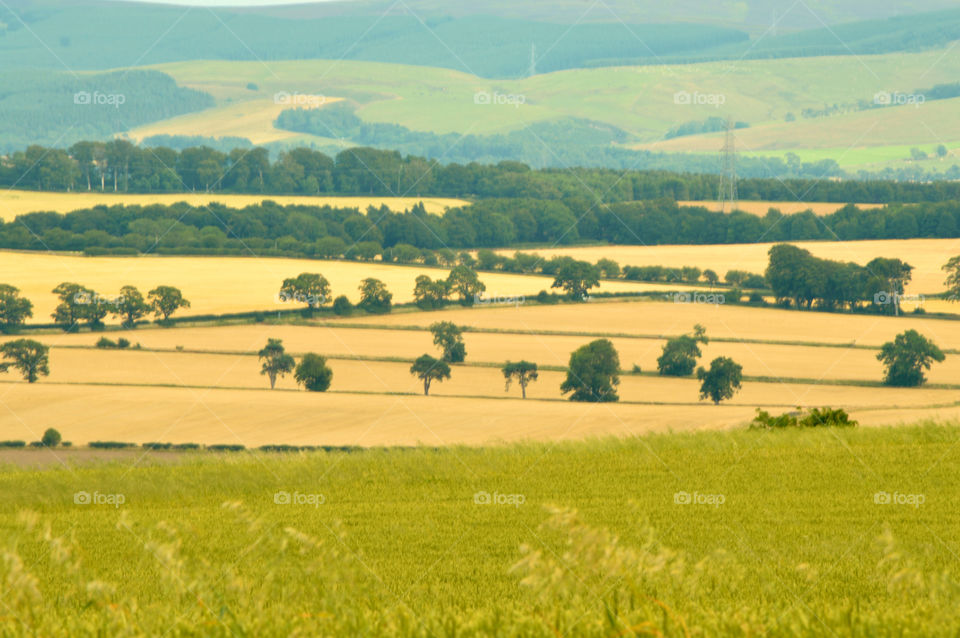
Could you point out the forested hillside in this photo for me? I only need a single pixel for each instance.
(59, 108)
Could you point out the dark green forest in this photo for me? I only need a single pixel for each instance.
(60, 108)
(327, 232)
(119, 166)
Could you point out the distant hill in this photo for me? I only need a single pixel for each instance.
(490, 38)
(755, 16)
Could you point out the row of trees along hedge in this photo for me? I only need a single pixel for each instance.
(797, 277)
(119, 166)
(326, 232)
(81, 305)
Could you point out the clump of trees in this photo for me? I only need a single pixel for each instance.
(374, 297)
(576, 278)
(721, 381)
(449, 338)
(593, 373)
(680, 354)
(430, 294)
(14, 309)
(81, 305)
(800, 279)
(310, 289)
(906, 357)
(814, 418)
(313, 373)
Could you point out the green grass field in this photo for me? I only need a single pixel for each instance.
(786, 533)
(637, 99)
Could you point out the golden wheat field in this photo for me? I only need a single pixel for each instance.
(787, 208)
(90, 413)
(219, 285)
(70, 366)
(18, 202)
(758, 359)
(927, 256)
(666, 318)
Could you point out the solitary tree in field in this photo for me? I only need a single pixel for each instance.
(51, 438)
(14, 309)
(523, 372)
(449, 338)
(428, 370)
(711, 277)
(679, 357)
(130, 306)
(721, 381)
(374, 297)
(311, 289)
(166, 300)
(906, 357)
(30, 357)
(465, 282)
(276, 361)
(576, 278)
(594, 373)
(313, 373)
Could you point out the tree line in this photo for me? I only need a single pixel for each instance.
(415, 236)
(120, 166)
(82, 306)
(798, 278)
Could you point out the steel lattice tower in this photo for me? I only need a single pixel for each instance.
(728, 175)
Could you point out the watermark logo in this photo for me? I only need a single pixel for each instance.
(297, 498)
(499, 99)
(96, 98)
(886, 98)
(299, 297)
(896, 498)
(686, 498)
(284, 98)
(86, 298)
(686, 98)
(486, 498)
(97, 498)
(885, 298)
(713, 298)
(481, 299)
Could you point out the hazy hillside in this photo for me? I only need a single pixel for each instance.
(753, 15)
(491, 39)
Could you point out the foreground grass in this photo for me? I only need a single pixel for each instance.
(788, 540)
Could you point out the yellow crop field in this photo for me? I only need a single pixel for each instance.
(18, 202)
(664, 318)
(927, 256)
(243, 410)
(757, 359)
(218, 285)
(787, 208)
(243, 371)
(90, 413)
(252, 119)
